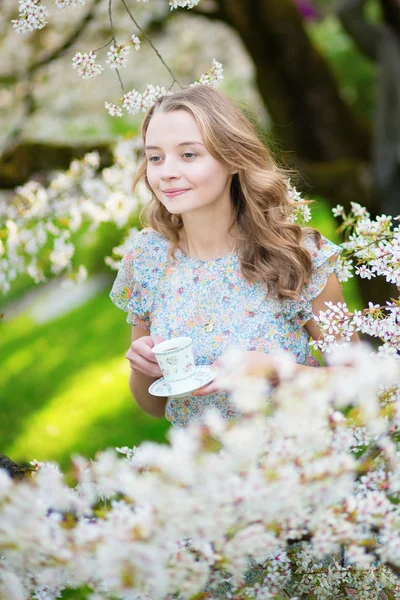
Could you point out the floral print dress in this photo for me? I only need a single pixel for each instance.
(176, 299)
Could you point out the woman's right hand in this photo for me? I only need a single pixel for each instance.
(141, 358)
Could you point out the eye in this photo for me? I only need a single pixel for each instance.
(189, 155)
(154, 159)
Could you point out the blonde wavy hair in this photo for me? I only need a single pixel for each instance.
(270, 246)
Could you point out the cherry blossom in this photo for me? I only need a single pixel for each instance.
(117, 56)
(32, 15)
(65, 4)
(86, 65)
(371, 249)
(136, 42)
(183, 3)
(248, 492)
(113, 109)
(40, 216)
(301, 210)
(298, 497)
(213, 76)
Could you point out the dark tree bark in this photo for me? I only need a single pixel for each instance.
(26, 159)
(391, 14)
(16, 471)
(331, 146)
(296, 82)
(49, 56)
(316, 130)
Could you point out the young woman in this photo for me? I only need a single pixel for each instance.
(218, 260)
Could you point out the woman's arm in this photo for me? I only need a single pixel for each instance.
(331, 293)
(139, 383)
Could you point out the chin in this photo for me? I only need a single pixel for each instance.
(175, 209)
(174, 212)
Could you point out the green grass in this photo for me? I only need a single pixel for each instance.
(323, 220)
(64, 386)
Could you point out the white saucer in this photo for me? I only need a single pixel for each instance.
(200, 377)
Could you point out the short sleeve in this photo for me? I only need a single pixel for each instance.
(131, 291)
(325, 260)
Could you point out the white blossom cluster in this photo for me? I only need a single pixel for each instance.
(371, 249)
(135, 41)
(300, 210)
(213, 76)
(32, 15)
(86, 65)
(39, 227)
(134, 102)
(69, 3)
(117, 56)
(224, 507)
(183, 3)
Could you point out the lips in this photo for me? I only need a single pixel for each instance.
(175, 192)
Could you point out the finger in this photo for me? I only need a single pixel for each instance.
(145, 367)
(141, 350)
(211, 388)
(148, 354)
(140, 362)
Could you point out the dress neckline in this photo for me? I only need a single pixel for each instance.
(230, 255)
(185, 257)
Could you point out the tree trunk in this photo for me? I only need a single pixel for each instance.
(16, 471)
(315, 129)
(296, 83)
(26, 159)
(328, 143)
(391, 14)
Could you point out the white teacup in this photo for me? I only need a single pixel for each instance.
(175, 358)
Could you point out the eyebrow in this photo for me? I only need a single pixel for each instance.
(181, 144)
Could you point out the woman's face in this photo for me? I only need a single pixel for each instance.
(183, 175)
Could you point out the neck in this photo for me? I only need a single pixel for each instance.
(207, 239)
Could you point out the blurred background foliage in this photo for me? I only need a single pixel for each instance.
(353, 71)
(63, 381)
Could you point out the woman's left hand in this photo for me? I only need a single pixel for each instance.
(256, 364)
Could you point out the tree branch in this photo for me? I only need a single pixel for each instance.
(56, 53)
(28, 101)
(16, 471)
(113, 39)
(390, 565)
(68, 42)
(142, 31)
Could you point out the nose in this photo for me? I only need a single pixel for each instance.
(169, 170)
